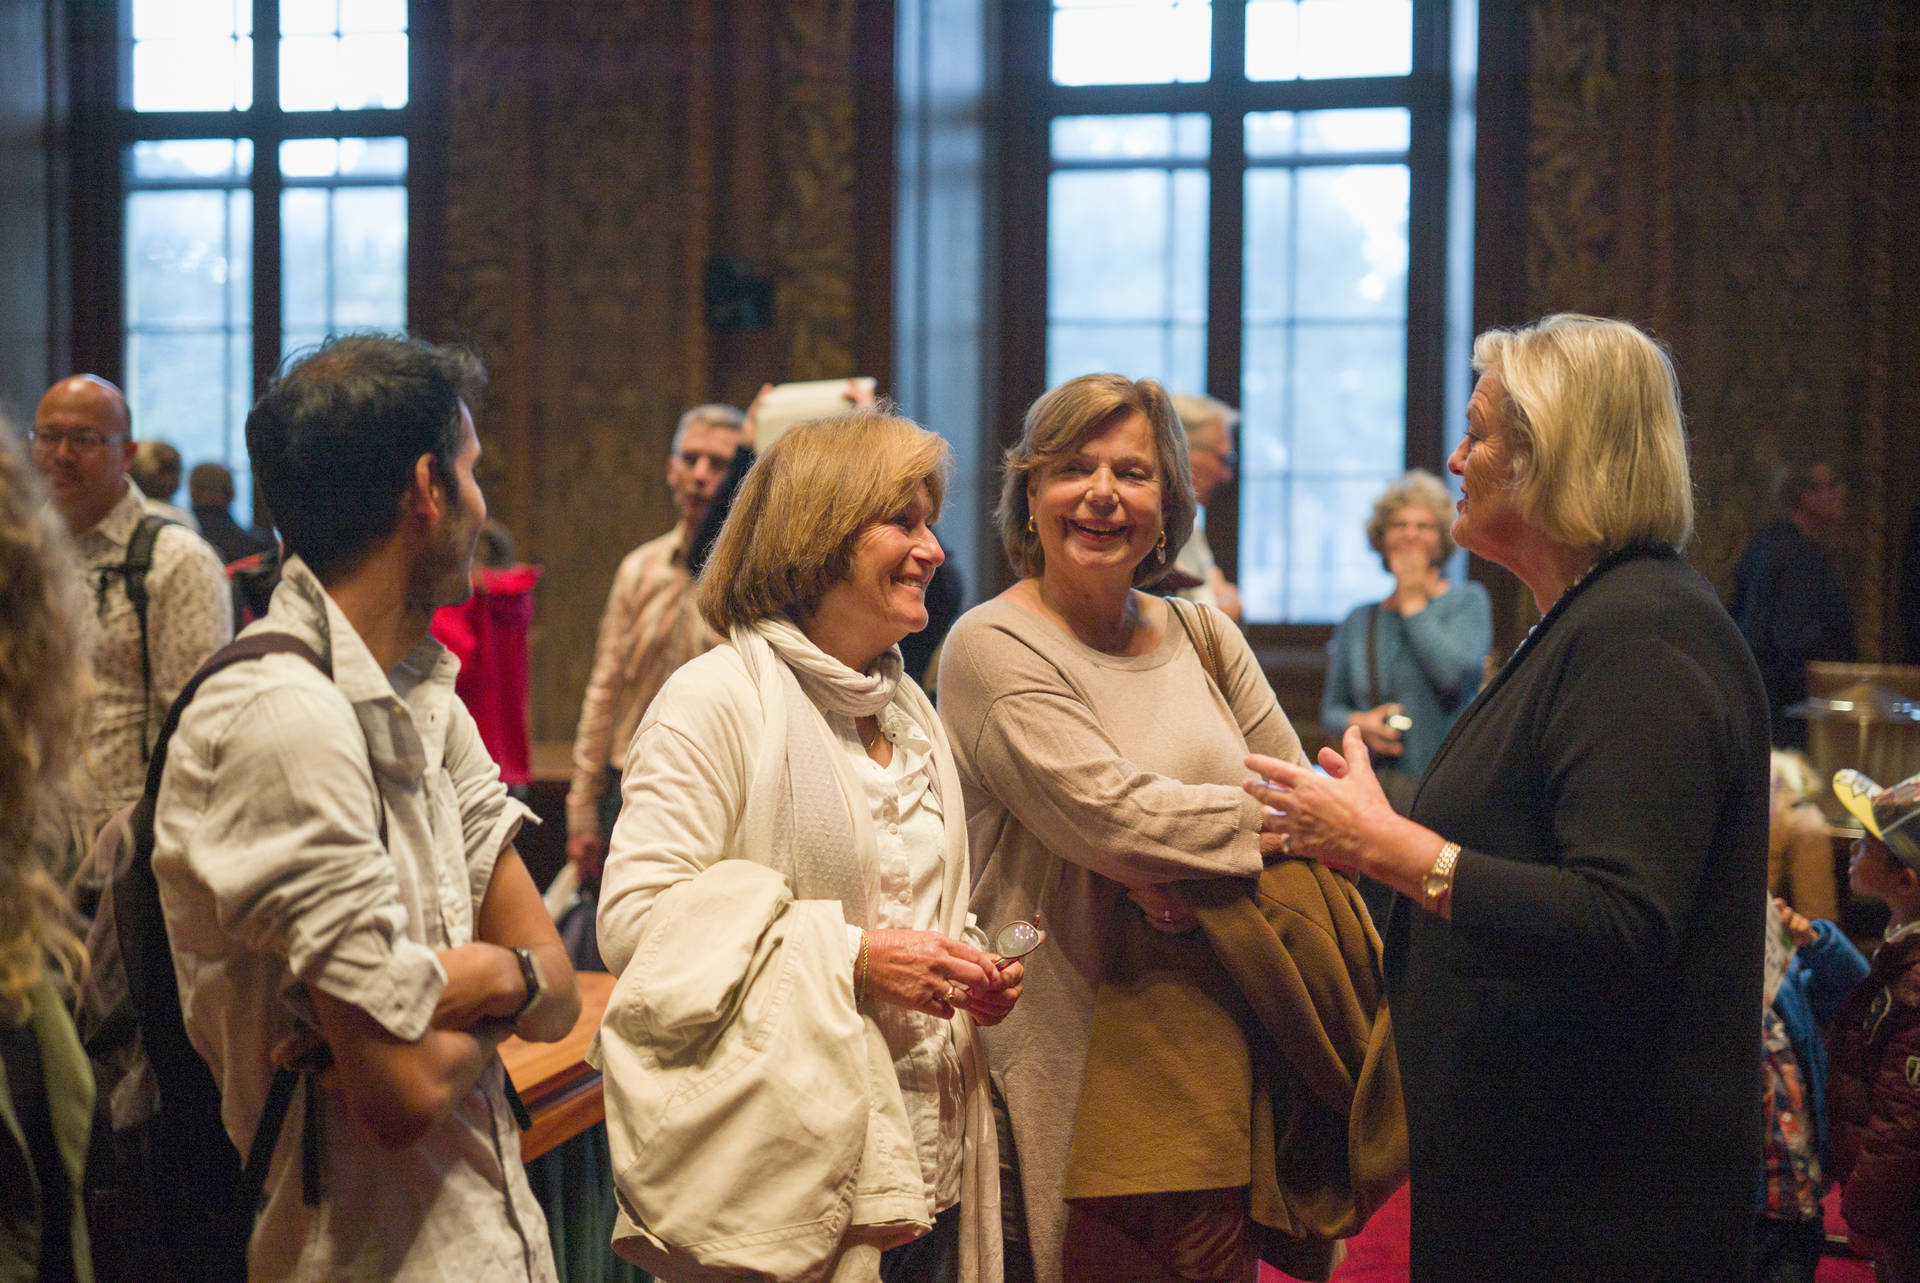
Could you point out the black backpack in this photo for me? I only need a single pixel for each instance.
(168, 1198)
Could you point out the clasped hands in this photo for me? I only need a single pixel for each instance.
(937, 975)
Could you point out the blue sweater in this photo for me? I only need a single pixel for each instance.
(1429, 661)
(1819, 977)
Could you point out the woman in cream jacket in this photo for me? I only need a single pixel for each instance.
(795, 1088)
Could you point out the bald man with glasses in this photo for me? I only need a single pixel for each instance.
(82, 446)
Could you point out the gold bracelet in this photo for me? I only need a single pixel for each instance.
(860, 972)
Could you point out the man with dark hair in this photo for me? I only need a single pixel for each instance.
(160, 603)
(335, 849)
(1788, 601)
(210, 490)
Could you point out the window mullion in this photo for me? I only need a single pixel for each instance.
(266, 128)
(1226, 182)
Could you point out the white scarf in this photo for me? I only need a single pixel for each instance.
(792, 823)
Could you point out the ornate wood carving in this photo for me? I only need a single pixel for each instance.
(1727, 173)
(598, 152)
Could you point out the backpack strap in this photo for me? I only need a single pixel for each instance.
(187, 1089)
(133, 576)
(252, 646)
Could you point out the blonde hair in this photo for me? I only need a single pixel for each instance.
(1792, 777)
(45, 687)
(790, 536)
(1418, 489)
(1600, 451)
(1058, 423)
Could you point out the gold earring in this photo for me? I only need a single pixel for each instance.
(1031, 528)
(1160, 549)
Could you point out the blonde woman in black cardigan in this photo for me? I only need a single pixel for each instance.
(1574, 959)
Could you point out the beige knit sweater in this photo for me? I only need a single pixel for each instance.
(1085, 772)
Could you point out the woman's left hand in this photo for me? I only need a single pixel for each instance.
(1166, 912)
(990, 1007)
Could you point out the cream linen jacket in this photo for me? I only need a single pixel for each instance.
(753, 1113)
(751, 1110)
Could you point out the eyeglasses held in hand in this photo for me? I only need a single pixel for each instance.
(1018, 939)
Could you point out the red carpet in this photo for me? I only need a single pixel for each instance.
(1378, 1254)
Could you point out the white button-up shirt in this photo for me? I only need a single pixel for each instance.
(275, 881)
(909, 835)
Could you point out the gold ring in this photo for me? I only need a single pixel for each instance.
(1286, 843)
(953, 991)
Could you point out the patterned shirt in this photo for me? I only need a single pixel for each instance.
(1793, 1165)
(275, 881)
(651, 626)
(189, 616)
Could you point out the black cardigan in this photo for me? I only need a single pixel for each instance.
(1580, 1044)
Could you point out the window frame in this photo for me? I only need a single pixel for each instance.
(102, 126)
(1020, 201)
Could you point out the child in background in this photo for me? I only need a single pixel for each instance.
(1810, 969)
(1799, 851)
(1873, 1086)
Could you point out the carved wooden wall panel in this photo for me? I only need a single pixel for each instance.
(1729, 174)
(599, 152)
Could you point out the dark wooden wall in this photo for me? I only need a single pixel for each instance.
(598, 152)
(32, 266)
(1739, 177)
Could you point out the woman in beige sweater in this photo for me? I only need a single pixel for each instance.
(1100, 762)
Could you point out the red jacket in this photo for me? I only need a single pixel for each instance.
(488, 634)
(1873, 1103)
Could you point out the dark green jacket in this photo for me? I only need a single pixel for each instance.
(70, 1102)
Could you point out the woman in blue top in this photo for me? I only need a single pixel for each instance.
(1402, 669)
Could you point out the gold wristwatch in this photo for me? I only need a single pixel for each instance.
(1437, 885)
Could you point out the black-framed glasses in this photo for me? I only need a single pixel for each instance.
(49, 442)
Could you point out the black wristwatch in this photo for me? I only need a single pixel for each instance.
(529, 972)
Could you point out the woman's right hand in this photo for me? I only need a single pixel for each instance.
(1380, 737)
(927, 972)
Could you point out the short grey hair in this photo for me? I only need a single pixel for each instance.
(713, 413)
(1199, 414)
(1418, 489)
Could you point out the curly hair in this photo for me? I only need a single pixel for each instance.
(46, 686)
(1418, 489)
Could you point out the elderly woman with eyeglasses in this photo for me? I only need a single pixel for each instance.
(795, 1086)
(1401, 669)
(1574, 960)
